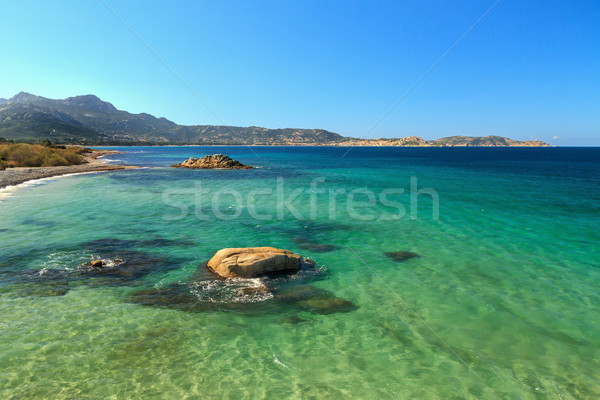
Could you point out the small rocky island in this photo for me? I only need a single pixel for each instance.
(216, 161)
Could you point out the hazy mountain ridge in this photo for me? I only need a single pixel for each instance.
(89, 120)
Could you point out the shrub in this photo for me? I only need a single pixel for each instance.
(72, 158)
(79, 150)
(54, 160)
(18, 153)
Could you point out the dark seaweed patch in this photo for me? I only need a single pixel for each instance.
(400, 255)
(124, 267)
(115, 244)
(317, 247)
(309, 298)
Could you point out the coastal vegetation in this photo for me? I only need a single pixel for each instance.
(39, 155)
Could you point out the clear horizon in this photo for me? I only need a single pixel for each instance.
(523, 71)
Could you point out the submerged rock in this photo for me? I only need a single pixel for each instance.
(167, 296)
(215, 161)
(41, 283)
(293, 319)
(308, 241)
(401, 255)
(254, 290)
(115, 244)
(203, 297)
(319, 301)
(207, 295)
(317, 247)
(121, 264)
(112, 263)
(123, 267)
(253, 261)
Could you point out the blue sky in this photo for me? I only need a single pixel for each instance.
(529, 69)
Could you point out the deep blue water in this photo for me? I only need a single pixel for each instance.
(570, 162)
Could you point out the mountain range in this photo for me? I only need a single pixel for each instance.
(89, 120)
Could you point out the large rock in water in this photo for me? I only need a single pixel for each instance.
(212, 162)
(252, 261)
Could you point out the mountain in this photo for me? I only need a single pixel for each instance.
(89, 102)
(24, 97)
(91, 121)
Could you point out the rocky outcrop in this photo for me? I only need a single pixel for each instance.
(216, 161)
(253, 261)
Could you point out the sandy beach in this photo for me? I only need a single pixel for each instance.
(16, 176)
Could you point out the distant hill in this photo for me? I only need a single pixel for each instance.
(89, 120)
(485, 141)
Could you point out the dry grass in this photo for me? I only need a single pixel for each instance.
(33, 155)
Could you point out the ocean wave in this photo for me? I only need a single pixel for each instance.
(236, 290)
(9, 191)
(64, 260)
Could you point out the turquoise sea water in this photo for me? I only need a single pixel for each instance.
(503, 301)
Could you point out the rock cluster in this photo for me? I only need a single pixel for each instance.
(212, 162)
(278, 286)
(280, 281)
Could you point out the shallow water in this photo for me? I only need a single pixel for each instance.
(502, 301)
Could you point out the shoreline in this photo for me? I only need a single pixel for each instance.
(318, 145)
(11, 178)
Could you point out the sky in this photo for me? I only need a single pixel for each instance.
(521, 69)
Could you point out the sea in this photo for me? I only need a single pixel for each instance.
(433, 273)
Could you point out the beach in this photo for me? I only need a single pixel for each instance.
(16, 176)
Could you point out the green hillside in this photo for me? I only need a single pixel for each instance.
(89, 120)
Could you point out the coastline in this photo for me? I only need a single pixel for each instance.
(341, 145)
(11, 177)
